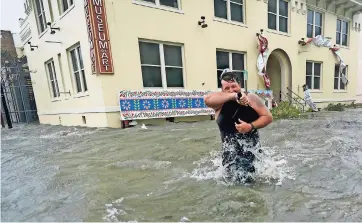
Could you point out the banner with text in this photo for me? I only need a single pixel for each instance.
(100, 47)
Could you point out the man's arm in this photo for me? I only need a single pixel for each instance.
(265, 116)
(217, 99)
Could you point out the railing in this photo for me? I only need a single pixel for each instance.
(299, 100)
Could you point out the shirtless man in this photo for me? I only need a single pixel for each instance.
(239, 116)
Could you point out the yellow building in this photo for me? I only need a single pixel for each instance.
(92, 49)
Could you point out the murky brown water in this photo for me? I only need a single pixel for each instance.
(312, 171)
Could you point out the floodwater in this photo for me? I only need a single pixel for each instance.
(311, 171)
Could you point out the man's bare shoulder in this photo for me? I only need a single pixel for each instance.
(256, 99)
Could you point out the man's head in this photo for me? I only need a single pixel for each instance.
(305, 87)
(229, 81)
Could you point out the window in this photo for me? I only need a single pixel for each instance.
(231, 10)
(64, 5)
(52, 78)
(168, 3)
(342, 32)
(278, 15)
(338, 83)
(314, 23)
(231, 60)
(51, 11)
(78, 69)
(40, 16)
(161, 64)
(313, 75)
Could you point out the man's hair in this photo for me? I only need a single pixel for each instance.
(229, 76)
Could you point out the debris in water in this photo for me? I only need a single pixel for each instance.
(143, 126)
(184, 219)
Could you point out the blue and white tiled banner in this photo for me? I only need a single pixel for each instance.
(147, 104)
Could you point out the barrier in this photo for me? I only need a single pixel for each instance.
(148, 104)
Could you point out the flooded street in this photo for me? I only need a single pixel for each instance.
(311, 171)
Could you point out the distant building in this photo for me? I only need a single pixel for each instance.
(15, 76)
(85, 52)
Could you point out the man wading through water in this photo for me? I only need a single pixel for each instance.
(239, 116)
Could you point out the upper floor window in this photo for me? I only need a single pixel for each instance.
(231, 60)
(40, 16)
(342, 32)
(168, 3)
(231, 10)
(64, 5)
(52, 79)
(338, 83)
(278, 11)
(161, 65)
(313, 75)
(78, 69)
(314, 23)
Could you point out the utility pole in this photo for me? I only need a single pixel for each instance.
(6, 110)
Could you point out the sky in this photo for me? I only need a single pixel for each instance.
(11, 11)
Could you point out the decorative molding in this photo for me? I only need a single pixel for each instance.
(326, 100)
(108, 109)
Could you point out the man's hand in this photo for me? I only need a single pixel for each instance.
(243, 127)
(243, 100)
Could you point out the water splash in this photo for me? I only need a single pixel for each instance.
(114, 210)
(269, 168)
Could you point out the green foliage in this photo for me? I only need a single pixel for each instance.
(286, 111)
(335, 107)
(352, 105)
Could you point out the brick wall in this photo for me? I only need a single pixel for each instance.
(7, 42)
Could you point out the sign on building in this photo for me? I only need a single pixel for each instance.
(100, 47)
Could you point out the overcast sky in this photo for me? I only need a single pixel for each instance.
(11, 11)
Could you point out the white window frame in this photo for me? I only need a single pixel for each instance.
(80, 70)
(157, 4)
(52, 79)
(61, 6)
(38, 14)
(340, 78)
(228, 11)
(314, 25)
(163, 66)
(278, 15)
(320, 77)
(231, 62)
(341, 33)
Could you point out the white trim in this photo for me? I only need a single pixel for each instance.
(314, 23)
(333, 100)
(80, 69)
(217, 19)
(162, 65)
(106, 109)
(341, 33)
(228, 13)
(67, 11)
(277, 14)
(55, 80)
(37, 14)
(320, 89)
(277, 32)
(158, 6)
(339, 78)
(230, 55)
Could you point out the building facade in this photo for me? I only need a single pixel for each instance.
(359, 82)
(85, 52)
